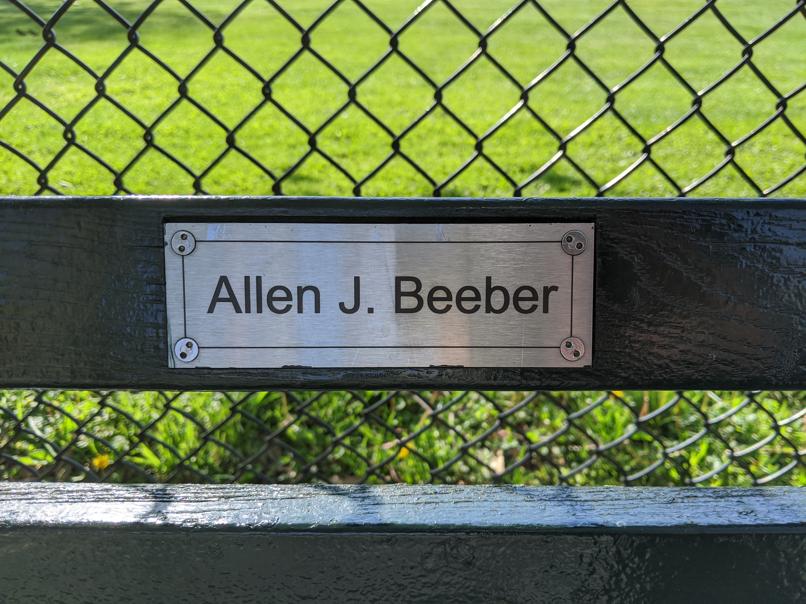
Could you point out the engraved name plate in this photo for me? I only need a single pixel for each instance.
(341, 295)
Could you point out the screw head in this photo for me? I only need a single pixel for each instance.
(572, 349)
(183, 243)
(574, 243)
(186, 350)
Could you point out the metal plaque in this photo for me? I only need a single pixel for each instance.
(263, 295)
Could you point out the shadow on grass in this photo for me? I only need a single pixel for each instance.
(552, 181)
(89, 22)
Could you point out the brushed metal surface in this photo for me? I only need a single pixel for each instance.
(220, 295)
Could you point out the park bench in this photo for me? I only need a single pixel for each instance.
(685, 294)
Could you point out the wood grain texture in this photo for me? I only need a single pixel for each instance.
(690, 294)
(407, 508)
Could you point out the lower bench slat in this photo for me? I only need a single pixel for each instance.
(285, 543)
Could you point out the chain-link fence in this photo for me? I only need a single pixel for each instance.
(381, 97)
(444, 437)
(392, 97)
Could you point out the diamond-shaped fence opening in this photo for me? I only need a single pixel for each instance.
(420, 97)
(538, 437)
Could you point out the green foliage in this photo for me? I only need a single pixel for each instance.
(650, 438)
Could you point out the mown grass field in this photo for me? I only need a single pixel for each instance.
(439, 43)
(266, 436)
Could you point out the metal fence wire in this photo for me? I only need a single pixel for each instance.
(382, 97)
(649, 438)
(505, 97)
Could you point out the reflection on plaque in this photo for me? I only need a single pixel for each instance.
(271, 294)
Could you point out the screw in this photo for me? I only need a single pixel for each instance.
(183, 243)
(572, 349)
(186, 349)
(574, 243)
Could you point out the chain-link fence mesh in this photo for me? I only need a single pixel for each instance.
(446, 437)
(391, 97)
(394, 97)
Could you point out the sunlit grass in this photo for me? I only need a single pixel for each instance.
(251, 104)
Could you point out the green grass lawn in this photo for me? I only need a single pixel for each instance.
(439, 43)
(379, 141)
